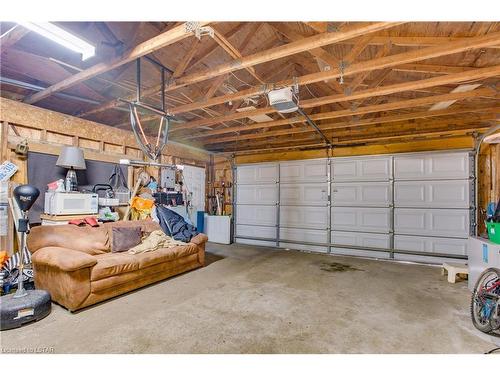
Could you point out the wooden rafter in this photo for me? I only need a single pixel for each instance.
(377, 91)
(385, 62)
(181, 67)
(12, 36)
(262, 57)
(347, 124)
(164, 39)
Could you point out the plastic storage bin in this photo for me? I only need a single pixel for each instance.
(493, 230)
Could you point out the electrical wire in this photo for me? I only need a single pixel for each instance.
(245, 83)
(310, 92)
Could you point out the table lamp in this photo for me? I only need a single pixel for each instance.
(71, 158)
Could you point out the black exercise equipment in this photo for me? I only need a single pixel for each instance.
(24, 305)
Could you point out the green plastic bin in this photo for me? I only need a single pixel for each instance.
(493, 230)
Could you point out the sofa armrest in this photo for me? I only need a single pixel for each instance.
(199, 239)
(64, 259)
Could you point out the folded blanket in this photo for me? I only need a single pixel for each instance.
(156, 240)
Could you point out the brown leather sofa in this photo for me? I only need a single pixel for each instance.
(76, 266)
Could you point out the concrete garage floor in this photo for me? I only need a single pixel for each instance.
(257, 300)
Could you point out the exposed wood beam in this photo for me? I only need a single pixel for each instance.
(319, 53)
(368, 93)
(234, 53)
(385, 62)
(162, 40)
(214, 46)
(11, 37)
(357, 48)
(181, 67)
(262, 57)
(361, 77)
(429, 68)
(388, 136)
(411, 103)
(348, 124)
(291, 153)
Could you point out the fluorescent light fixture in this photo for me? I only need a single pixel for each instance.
(61, 36)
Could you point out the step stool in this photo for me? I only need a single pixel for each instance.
(453, 269)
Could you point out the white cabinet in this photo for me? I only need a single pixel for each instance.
(256, 215)
(257, 173)
(374, 194)
(452, 223)
(256, 231)
(456, 246)
(315, 170)
(304, 194)
(264, 194)
(378, 168)
(361, 219)
(432, 166)
(432, 194)
(218, 228)
(304, 217)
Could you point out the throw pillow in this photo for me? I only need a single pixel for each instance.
(124, 238)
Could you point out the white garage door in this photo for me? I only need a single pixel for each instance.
(304, 217)
(406, 206)
(362, 205)
(432, 199)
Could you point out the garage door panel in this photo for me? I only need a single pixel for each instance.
(361, 219)
(257, 173)
(256, 231)
(375, 194)
(360, 253)
(256, 215)
(304, 194)
(432, 166)
(378, 240)
(256, 242)
(304, 217)
(315, 170)
(362, 169)
(432, 194)
(257, 194)
(304, 235)
(432, 222)
(455, 246)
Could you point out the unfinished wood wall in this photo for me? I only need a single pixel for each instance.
(48, 131)
(488, 179)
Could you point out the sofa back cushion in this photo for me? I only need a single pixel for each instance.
(89, 240)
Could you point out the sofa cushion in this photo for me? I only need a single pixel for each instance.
(151, 258)
(111, 264)
(89, 240)
(124, 238)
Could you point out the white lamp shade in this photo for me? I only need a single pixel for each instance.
(71, 157)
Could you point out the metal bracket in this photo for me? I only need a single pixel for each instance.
(331, 28)
(342, 66)
(198, 30)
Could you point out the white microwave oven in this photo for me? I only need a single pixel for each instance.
(58, 203)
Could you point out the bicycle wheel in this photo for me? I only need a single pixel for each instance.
(484, 302)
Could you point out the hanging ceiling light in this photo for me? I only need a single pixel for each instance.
(61, 36)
